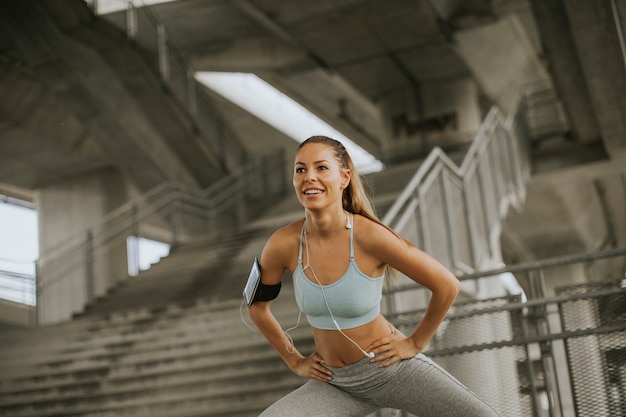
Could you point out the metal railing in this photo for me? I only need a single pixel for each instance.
(454, 213)
(560, 353)
(89, 264)
(18, 287)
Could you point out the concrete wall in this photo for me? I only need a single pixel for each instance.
(595, 34)
(16, 313)
(67, 277)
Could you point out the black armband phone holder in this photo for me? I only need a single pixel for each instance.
(255, 290)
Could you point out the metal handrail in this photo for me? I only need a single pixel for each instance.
(18, 283)
(496, 184)
(77, 240)
(212, 198)
(532, 266)
(165, 204)
(549, 263)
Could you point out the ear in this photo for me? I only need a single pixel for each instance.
(346, 175)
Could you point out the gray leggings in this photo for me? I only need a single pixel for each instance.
(417, 385)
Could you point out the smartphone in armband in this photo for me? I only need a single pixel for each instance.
(252, 285)
(255, 290)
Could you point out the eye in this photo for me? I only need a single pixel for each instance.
(322, 167)
(299, 170)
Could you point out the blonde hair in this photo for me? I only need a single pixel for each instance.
(354, 200)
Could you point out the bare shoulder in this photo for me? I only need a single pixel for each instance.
(371, 235)
(281, 249)
(284, 237)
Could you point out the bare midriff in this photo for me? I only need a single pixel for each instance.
(338, 351)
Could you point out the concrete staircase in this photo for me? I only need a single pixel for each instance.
(170, 342)
(170, 361)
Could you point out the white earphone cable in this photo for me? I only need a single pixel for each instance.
(290, 343)
(308, 265)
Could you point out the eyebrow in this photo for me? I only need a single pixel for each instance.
(316, 162)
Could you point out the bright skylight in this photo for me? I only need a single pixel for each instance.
(18, 251)
(262, 100)
(111, 6)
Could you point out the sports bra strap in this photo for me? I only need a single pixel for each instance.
(300, 248)
(351, 237)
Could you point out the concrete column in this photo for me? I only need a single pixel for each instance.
(564, 64)
(71, 269)
(596, 38)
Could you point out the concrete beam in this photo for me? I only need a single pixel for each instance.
(257, 54)
(564, 214)
(74, 76)
(596, 37)
(569, 80)
(335, 101)
(501, 58)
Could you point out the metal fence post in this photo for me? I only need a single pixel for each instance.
(191, 96)
(89, 267)
(38, 299)
(265, 165)
(131, 20)
(241, 202)
(164, 63)
(176, 220)
(132, 257)
(212, 211)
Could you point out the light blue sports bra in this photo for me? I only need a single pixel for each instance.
(354, 299)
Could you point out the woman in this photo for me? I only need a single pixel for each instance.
(338, 255)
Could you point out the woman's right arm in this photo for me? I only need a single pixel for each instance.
(274, 261)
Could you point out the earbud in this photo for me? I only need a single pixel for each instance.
(348, 226)
(370, 355)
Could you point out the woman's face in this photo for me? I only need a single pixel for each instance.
(318, 179)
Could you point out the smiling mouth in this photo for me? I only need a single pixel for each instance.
(312, 192)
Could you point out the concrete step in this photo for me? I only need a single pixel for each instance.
(226, 366)
(213, 395)
(107, 341)
(176, 361)
(201, 269)
(135, 354)
(196, 361)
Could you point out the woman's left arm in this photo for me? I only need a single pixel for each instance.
(424, 270)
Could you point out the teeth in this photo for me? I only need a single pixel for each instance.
(312, 192)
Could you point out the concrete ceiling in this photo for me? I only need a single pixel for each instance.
(361, 64)
(36, 122)
(381, 72)
(355, 63)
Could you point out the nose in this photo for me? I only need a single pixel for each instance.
(309, 176)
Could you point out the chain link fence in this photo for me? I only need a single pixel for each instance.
(559, 353)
